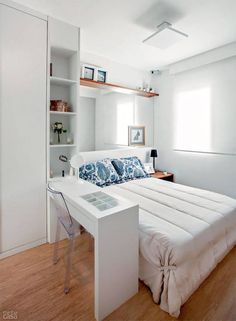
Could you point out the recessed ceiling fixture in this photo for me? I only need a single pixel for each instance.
(165, 36)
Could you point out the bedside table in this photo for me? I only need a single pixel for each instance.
(167, 177)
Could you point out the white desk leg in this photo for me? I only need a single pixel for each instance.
(116, 261)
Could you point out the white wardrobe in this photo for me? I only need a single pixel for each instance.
(29, 42)
(23, 83)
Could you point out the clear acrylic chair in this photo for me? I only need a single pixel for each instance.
(71, 227)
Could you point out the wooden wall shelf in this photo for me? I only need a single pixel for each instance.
(115, 88)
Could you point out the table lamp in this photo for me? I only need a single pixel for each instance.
(154, 155)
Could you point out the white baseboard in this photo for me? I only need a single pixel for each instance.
(22, 248)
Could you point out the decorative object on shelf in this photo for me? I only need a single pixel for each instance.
(95, 73)
(58, 129)
(51, 136)
(63, 159)
(69, 138)
(149, 168)
(136, 135)
(101, 75)
(72, 171)
(88, 72)
(146, 88)
(116, 88)
(154, 156)
(50, 69)
(59, 105)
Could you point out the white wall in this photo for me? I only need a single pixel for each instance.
(115, 112)
(86, 124)
(107, 124)
(118, 73)
(216, 172)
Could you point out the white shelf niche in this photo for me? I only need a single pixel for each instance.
(56, 165)
(64, 66)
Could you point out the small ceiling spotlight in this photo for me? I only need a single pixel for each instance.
(156, 72)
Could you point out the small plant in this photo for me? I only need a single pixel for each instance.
(58, 128)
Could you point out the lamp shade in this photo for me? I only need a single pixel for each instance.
(153, 153)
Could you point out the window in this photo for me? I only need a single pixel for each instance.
(193, 120)
(125, 118)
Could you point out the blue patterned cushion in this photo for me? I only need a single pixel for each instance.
(101, 173)
(129, 168)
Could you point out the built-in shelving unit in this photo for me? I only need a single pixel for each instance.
(63, 79)
(115, 88)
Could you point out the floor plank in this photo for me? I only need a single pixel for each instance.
(32, 287)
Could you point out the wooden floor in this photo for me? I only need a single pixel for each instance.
(32, 288)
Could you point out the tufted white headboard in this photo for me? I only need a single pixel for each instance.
(142, 153)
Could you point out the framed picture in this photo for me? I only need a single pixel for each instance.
(149, 168)
(136, 135)
(88, 72)
(101, 75)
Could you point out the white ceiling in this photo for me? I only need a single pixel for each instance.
(115, 28)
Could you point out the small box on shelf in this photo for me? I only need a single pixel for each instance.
(59, 105)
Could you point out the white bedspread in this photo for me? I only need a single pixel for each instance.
(184, 233)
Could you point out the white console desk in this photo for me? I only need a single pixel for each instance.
(115, 231)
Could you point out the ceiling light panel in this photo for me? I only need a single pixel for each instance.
(165, 36)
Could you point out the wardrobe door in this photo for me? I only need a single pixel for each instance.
(23, 55)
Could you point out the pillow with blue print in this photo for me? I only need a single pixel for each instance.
(101, 173)
(129, 168)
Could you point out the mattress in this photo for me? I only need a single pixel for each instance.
(184, 233)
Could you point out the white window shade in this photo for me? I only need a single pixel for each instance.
(193, 120)
(204, 109)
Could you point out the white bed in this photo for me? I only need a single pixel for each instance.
(184, 233)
